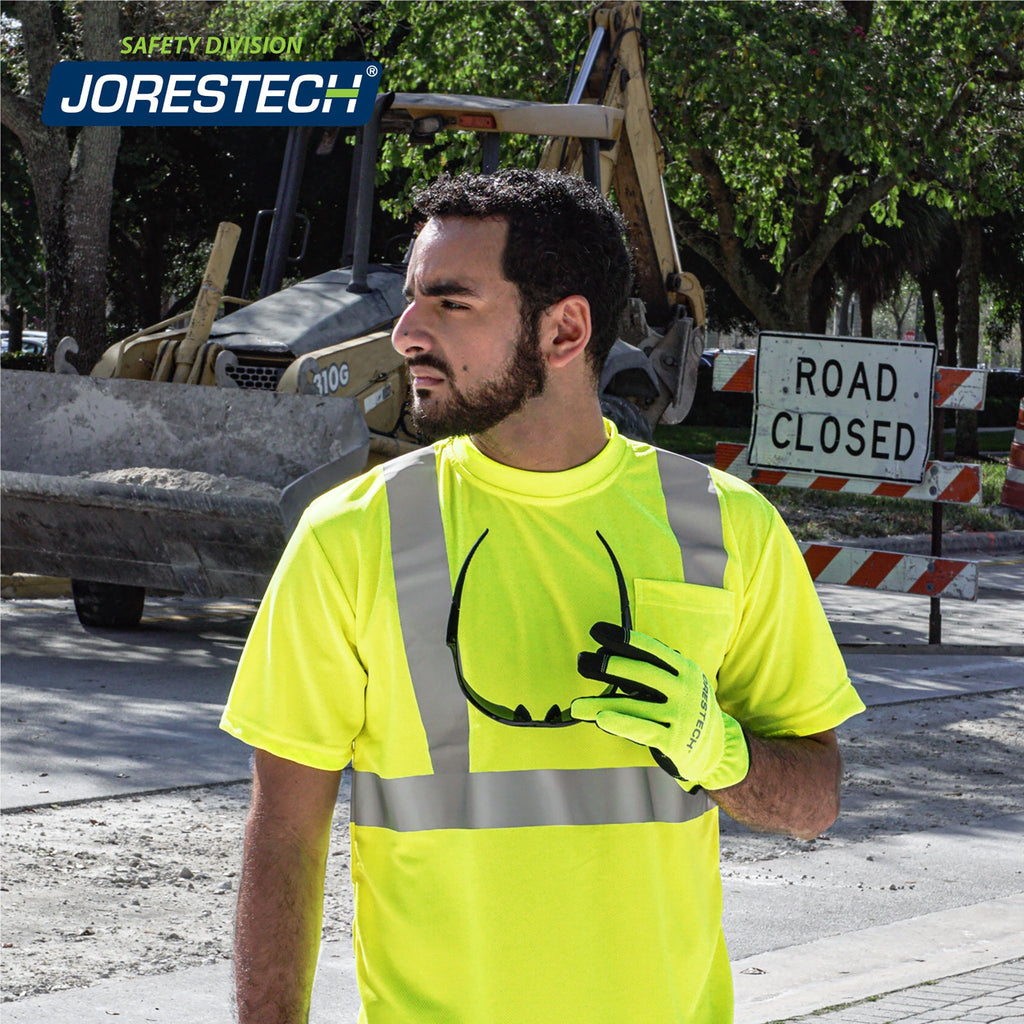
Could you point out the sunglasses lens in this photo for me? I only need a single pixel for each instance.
(521, 714)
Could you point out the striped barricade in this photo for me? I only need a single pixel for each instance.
(925, 575)
(955, 482)
(955, 388)
(1013, 488)
(891, 571)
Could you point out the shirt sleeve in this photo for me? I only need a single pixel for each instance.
(783, 674)
(299, 690)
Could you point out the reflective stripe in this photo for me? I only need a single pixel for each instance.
(453, 797)
(423, 590)
(594, 796)
(691, 503)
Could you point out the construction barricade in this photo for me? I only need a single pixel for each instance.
(1013, 488)
(940, 482)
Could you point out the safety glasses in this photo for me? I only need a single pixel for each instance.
(520, 715)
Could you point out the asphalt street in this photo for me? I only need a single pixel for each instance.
(95, 714)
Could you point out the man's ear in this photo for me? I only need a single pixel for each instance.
(565, 330)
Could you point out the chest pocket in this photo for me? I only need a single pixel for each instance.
(695, 620)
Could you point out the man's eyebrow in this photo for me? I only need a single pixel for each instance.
(444, 287)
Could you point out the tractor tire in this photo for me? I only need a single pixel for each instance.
(108, 605)
(627, 417)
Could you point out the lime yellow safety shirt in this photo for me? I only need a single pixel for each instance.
(528, 874)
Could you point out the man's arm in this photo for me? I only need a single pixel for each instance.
(792, 785)
(280, 898)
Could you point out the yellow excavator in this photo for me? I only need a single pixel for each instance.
(124, 486)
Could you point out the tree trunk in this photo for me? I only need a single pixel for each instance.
(73, 188)
(867, 315)
(16, 328)
(969, 326)
(929, 325)
(843, 330)
(821, 298)
(1020, 329)
(950, 318)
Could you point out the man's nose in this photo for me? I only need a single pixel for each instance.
(408, 338)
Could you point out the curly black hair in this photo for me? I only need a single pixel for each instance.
(564, 238)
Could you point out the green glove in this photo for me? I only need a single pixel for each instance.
(666, 704)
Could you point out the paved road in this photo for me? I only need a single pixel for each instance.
(91, 713)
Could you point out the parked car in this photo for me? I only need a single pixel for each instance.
(32, 342)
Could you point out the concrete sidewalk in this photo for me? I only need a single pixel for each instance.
(994, 995)
(917, 955)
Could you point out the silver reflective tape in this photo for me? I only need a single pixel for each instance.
(424, 592)
(695, 517)
(594, 796)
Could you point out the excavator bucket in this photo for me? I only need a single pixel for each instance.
(163, 485)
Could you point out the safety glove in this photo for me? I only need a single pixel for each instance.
(666, 704)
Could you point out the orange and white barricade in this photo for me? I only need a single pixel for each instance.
(1013, 489)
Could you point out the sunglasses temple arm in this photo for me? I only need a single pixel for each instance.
(625, 615)
(453, 615)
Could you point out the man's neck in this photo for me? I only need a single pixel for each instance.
(545, 439)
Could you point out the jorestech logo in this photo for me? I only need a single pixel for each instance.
(206, 93)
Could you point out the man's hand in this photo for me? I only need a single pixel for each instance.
(666, 704)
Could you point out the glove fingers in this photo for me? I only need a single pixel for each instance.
(591, 708)
(639, 730)
(636, 645)
(594, 665)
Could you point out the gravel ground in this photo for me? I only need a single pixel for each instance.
(146, 884)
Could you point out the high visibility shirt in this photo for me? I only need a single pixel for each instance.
(529, 874)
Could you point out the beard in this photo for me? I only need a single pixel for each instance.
(484, 406)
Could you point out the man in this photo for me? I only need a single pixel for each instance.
(549, 653)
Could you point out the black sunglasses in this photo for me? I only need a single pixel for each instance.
(556, 716)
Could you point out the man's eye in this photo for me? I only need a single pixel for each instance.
(448, 304)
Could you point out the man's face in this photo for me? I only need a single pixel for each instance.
(473, 362)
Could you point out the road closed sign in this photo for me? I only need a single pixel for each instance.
(843, 406)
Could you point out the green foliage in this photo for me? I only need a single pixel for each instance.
(1003, 266)
(21, 249)
(171, 189)
(784, 124)
(509, 49)
(778, 90)
(24, 361)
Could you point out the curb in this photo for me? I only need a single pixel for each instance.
(24, 585)
(952, 543)
(923, 649)
(850, 967)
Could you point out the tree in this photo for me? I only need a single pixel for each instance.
(1003, 270)
(972, 167)
(873, 260)
(798, 119)
(21, 255)
(71, 171)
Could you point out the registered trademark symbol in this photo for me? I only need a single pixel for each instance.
(373, 71)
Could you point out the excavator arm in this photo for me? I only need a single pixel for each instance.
(654, 367)
(613, 74)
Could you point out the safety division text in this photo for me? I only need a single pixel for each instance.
(843, 406)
